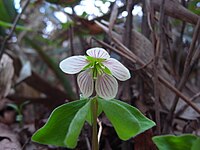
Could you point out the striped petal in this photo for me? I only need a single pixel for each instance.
(86, 83)
(106, 86)
(117, 69)
(98, 53)
(73, 65)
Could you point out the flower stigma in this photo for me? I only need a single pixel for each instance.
(96, 66)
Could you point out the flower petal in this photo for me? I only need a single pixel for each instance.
(117, 69)
(106, 86)
(86, 83)
(73, 65)
(98, 52)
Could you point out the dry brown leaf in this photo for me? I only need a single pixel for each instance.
(113, 16)
(6, 75)
(8, 139)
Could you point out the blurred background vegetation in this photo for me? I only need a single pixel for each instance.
(47, 31)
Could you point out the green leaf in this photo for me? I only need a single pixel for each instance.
(18, 27)
(24, 104)
(171, 142)
(55, 130)
(144, 122)
(7, 13)
(125, 124)
(196, 144)
(192, 6)
(76, 126)
(10, 8)
(7, 10)
(67, 25)
(3, 12)
(14, 106)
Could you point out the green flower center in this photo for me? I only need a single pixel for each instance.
(96, 66)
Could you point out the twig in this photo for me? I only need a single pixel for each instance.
(195, 96)
(122, 54)
(145, 28)
(144, 66)
(174, 9)
(161, 79)
(186, 71)
(196, 55)
(71, 39)
(127, 38)
(128, 25)
(173, 72)
(126, 51)
(135, 59)
(159, 50)
(26, 142)
(192, 99)
(87, 142)
(194, 59)
(114, 49)
(177, 92)
(12, 29)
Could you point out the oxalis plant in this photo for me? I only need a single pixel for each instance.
(96, 71)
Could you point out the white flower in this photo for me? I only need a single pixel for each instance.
(98, 70)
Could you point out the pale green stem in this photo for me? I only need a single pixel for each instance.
(94, 108)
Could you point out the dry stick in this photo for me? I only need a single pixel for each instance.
(192, 46)
(170, 56)
(186, 106)
(183, 22)
(145, 29)
(183, 80)
(71, 39)
(174, 9)
(144, 66)
(161, 79)
(87, 142)
(135, 59)
(126, 51)
(13, 28)
(196, 57)
(158, 52)
(122, 54)
(127, 38)
(195, 96)
(128, 25)
(115, 50)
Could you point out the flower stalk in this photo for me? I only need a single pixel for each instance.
(94, 109)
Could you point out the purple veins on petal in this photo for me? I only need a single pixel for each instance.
(73, 65)
(98, 53)
(117, 69)
(106, 86)
(85, 83)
